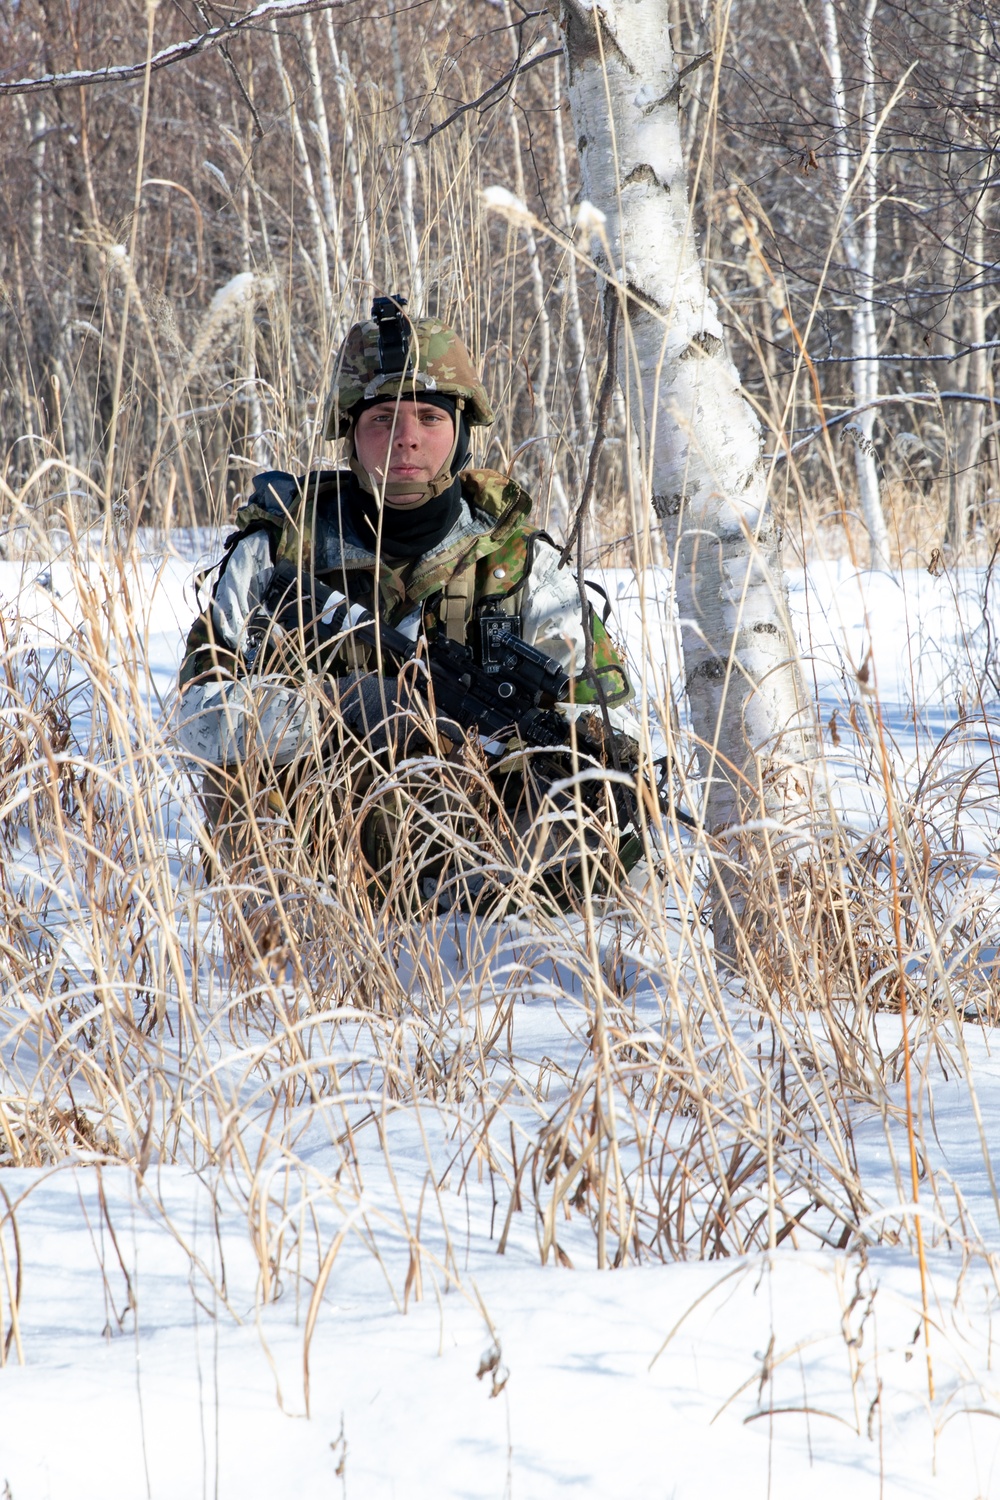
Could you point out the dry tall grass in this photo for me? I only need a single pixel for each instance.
(155, 1012)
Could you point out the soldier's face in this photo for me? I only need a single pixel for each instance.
(410, 441)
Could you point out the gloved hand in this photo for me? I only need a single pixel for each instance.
(389, 714)
(618, 749)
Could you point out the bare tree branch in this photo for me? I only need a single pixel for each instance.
(899, 398)
(914, 358)
(241, 89)
(132, 72)
(597, 446)
(531, 59)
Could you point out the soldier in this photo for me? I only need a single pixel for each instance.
(431, 547)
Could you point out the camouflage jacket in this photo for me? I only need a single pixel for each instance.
(492, 554)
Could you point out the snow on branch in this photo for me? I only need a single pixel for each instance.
(131, 72)
(897, 398)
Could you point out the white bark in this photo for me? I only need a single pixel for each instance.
(975, 379)
(859, 238)
(973, 372)
(574, 319)
(321, 128)
(557, 511)
(409, 171)
(35, 130)
(321, 267)
(342, 76)
(708, 482)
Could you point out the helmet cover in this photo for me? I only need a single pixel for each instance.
(392, 355)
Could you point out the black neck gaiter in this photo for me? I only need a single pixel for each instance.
(409, 533)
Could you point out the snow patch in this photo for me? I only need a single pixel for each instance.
(503, 201)
(589, 218)
(236, 293)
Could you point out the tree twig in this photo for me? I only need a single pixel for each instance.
(914, 358)
(135, 72)
(899, 398)
(522, 66)
(600, 432)
(241, 88)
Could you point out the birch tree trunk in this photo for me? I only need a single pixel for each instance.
(859, 238)
(578, 337)
(348, 112)
(409, 170)
(704, 443)
(321, 267)
(557, 507)
(321, 129)
(973, 372)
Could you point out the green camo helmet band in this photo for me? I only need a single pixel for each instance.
(432, 356)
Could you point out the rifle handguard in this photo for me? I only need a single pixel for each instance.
(519, 694)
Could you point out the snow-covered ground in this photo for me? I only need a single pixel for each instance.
(160, 1359)
(787, 1374)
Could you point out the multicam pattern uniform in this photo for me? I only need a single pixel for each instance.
(442, 365)
(491, 553)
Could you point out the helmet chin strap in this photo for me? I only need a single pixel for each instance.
(442, 480)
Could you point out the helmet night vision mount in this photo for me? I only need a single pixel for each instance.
(393, 335)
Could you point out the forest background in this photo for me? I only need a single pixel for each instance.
(168, 333)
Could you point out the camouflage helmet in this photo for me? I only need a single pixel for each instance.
(391, 353)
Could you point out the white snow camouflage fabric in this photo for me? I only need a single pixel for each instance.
(223, 719)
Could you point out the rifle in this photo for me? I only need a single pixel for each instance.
(514, 692)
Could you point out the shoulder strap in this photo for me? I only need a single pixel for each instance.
(266, 508)
(460, 596)
(455, 610)
(598, 588)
